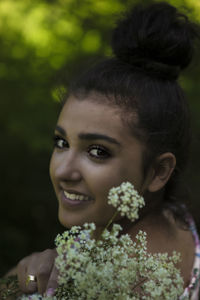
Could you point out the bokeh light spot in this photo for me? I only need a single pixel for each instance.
(91, 41)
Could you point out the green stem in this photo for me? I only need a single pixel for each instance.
(111, 220)
(108, 224)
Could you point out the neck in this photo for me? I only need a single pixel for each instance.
(151, 211)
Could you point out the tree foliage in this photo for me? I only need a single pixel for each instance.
(43, 44)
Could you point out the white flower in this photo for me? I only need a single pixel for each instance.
(113, 267)
(127, 200)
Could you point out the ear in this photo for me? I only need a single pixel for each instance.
(162, 170)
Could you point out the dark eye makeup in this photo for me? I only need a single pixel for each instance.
(99, 152)
(60, 142)
(95, 151)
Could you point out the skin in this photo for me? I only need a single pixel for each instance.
(90, 165)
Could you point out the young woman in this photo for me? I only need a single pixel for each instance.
(126, 119)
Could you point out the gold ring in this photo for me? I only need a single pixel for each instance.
(31, 278)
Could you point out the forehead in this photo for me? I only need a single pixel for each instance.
(97, 114)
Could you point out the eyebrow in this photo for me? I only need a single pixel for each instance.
(98, 136)
(90, 136)
(60, 130)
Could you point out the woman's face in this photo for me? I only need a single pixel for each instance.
(94, 151)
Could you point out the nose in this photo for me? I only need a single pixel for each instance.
(66, 166)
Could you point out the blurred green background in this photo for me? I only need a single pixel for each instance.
(43, 44)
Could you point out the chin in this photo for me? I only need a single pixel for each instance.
(67, 220)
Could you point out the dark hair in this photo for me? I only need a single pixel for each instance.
(151, 45)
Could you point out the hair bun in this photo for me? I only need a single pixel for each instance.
(155, 38)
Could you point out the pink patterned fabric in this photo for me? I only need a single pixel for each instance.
(192, 291)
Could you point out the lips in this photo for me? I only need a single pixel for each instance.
(73, 199)
(76, 196)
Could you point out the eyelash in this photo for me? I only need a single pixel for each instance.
(57, 139)
(106, 153)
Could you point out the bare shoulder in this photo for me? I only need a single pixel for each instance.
(184, 244)
(164, 234)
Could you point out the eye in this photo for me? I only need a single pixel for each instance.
(99, 152)
(60, 142)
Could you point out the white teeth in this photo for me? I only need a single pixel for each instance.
(75, 196)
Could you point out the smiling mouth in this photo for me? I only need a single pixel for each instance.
(76, 197)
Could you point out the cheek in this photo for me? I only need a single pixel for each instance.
(57, 165)
(52, 167)
(102, 178)
(113, 175)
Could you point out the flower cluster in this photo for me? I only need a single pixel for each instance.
(113, 266)
(127, 200)
(39, 297)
